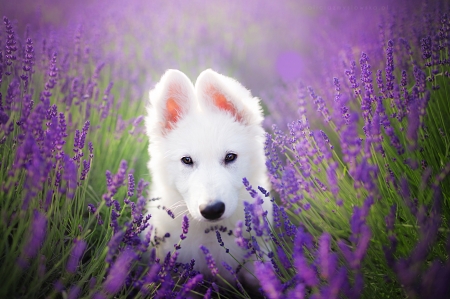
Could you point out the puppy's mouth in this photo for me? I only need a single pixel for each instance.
(212, 220)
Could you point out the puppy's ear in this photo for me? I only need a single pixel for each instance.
(170, 100)
(221, 93)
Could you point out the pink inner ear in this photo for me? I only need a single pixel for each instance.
(222, 103)
(172, 113)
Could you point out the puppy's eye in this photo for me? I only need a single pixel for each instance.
(230, 157)
(187, 160)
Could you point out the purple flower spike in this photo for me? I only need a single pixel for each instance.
(74, 292)
(208, 294)
(298, 292)
(327, 261)
(36, 236)
(84, 132)
(130, 185)
(119, 271)
(86, 168)
(190, 285)
(10, 47)
(426, 47)
(240, 240)
(390, 66)
(305, 272)
(269, 282)
(75, 255)
(185, 225)
(210, 260)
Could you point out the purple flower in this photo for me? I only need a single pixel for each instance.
(283, 257)
(337, 283)
(36, 236)
(380, 84)
(150, 278)
(114, 182)
(298, 292)
(29, 157)
(327, 261)
(352, 78)
(190, 285)
(91, 149)
(52, 79)
(185, 225)
(28, 63)
(119, 271)
(208, 294)
(99, 296)
(363, 244)
(420, 78)
(10, 47)
(86, 168)
(77, 251)
(426, 47)
(305, 272)
(141, 186)
(58, 285)
(239, 238)
(83, 134)
(130, 185)
(74, 292)
(390, 66)
(269, 282)
(76, 140)
(210, 261)
(113, 245)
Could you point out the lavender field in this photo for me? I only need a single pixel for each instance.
(356, 96)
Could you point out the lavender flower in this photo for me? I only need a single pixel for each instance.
(130, 185)
(210, 260)
(327, 260)
(239, 238)
(119, 271)
(190, 285)
(269, 282)
(36, 236)
(52, 79)
(77, 251)
(305, 272)
(113, 245)
(10, 47)
(390, 66)
(74, 292)
(426, 47)
(114, 182)
(185, 227)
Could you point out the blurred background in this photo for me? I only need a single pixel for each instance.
(271, 47)
(262, 43)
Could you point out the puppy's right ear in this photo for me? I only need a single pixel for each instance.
(170, 100)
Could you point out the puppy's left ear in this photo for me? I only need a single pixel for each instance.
(220, 93)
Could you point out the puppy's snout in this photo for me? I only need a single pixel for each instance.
(212, 211)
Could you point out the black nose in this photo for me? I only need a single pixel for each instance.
(213, 210)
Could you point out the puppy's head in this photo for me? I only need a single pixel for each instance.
(204, 140)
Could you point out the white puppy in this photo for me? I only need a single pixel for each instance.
(203, 141)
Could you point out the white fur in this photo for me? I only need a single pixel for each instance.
(206, 134)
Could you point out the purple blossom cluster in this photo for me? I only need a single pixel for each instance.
(362, 156)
